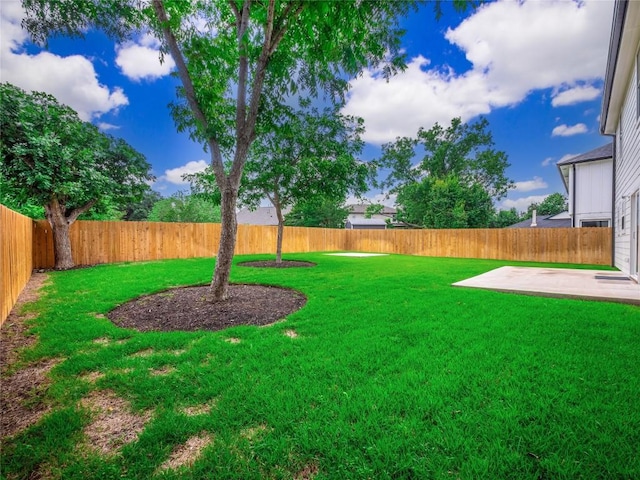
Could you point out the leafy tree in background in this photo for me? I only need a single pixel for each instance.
(454, 183)
(185, 208)
(307, 155)
(251, 56)
(318, 212)
(445, 203)
(505, 218)
(140, 210)
(551, 205)
(50, 157)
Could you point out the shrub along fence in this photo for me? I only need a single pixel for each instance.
(27, 244)
(16, 257)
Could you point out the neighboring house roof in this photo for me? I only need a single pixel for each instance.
(621, 60)
(361, 209)
(601, 153)
(260, 216)
(367, 222)
(549, 221)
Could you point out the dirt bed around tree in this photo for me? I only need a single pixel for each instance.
(188, 308)
(274, 264)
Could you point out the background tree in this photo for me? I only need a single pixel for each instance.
(308, 154)
(50, 157)
(185, 208)
(252, 54)
(505, 218)
(318, 212)
(444, 203)
(454, 183)
(551, 205)
(140, 210)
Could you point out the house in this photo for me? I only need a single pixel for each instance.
(588, 179)
(620, 118)
(358, 219)
(560, 220)
(260, 216)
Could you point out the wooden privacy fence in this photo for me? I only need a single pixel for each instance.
(16, 244)
(25, 244)
(107, 242)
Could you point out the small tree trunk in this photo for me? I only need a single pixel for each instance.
(280, 233)
(61, 241)
(228, 229)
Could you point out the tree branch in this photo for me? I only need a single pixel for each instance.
(243, 70)
(76, 212)
(279, 34)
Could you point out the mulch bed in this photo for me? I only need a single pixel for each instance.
(274, 264)
(187, 308)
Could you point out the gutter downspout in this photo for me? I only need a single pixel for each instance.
(613, 198)
(573, 194)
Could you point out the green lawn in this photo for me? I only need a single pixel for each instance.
(393, 374)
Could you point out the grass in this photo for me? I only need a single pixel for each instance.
(393, 374)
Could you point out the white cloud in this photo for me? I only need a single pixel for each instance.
(72, 80)
(515, 47)
(528, 185)
(567, 131)
(174, 175)
(141, 60)
(521, 204)
(547, 161)
(575, 95)
(104, 126)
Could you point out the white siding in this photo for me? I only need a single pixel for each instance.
(627, 171)
(593, 191)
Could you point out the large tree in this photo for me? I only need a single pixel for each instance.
(455, 181)
(49, 157)
(249, 56)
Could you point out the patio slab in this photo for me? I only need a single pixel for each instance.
(559, 282)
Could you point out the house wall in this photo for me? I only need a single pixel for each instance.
(627, 171)
(593, 191)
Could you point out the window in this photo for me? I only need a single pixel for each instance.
(594, 223)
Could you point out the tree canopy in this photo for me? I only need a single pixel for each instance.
(50, 157)
(249, 57)
(185, 208)
(551, 205)
(454, 182)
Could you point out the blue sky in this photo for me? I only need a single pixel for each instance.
(533, 68)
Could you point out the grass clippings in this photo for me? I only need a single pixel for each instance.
(92, 377)
(291, 333)
(102, 341)
(23, 396)
(234, 340)
(159, 372)
(13, 334)
(147, 352)
(186, 454)
(113, 424)
(309, 472)
(202, 409)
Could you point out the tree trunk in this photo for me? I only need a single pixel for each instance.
(280, 233)
(228, 229)
(61, 241)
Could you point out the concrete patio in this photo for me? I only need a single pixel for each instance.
(559, 282)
